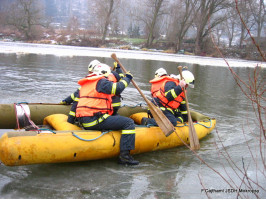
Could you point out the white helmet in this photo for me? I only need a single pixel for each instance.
(92, 65)
(102, 69)
(160, 72)
(189, 78)
(174, 76)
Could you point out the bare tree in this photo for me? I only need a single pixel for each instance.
(157, 6)
(3, 5)
(107, 19)
(253, 89)
(104, 10)
(73, 25)
(257, 9)
(247, 17)
(150, 12)
(182, 19)
(122, 16)
(115, 26)
(207, 10)
(219, 30)
(26, 16)
(230, 24)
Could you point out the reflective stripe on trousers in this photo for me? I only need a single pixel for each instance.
(95, 122)
(107, 122)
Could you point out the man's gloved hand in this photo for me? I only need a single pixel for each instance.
(182, 84)
(116, 65)
(129, 75)
(63, 102)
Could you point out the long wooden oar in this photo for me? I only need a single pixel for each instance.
(193, 137)
(162, 121)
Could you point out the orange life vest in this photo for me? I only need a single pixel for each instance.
(157, 82)
(157, 90)
(91, 101)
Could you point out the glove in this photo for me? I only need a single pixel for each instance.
(129, 75)
(116, 65)
(182, 84)
(63, 102)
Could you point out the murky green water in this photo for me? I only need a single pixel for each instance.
(174, 173)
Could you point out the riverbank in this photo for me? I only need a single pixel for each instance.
(64, 50)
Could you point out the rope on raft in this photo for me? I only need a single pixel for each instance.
(199, 124)
(137, 105)
(88, 140)
(36, 128)
(23, 102)
(25, 113)
(150, 125)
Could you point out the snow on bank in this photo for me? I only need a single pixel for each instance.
(61, 50)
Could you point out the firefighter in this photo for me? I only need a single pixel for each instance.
(115, 76)
(94, 109)
(167, 93)
(74, 97)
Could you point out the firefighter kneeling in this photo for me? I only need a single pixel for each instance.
(94, 110)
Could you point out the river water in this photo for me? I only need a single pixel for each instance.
(48, 74)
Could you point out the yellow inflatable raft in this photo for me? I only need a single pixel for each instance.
(69, 143)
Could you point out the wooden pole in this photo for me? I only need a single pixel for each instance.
(193, 137)
(161, 120)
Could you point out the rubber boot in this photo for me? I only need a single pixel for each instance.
(144, 121)
(126, 159)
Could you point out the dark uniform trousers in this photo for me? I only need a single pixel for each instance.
(168, 114)
(117, 122)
